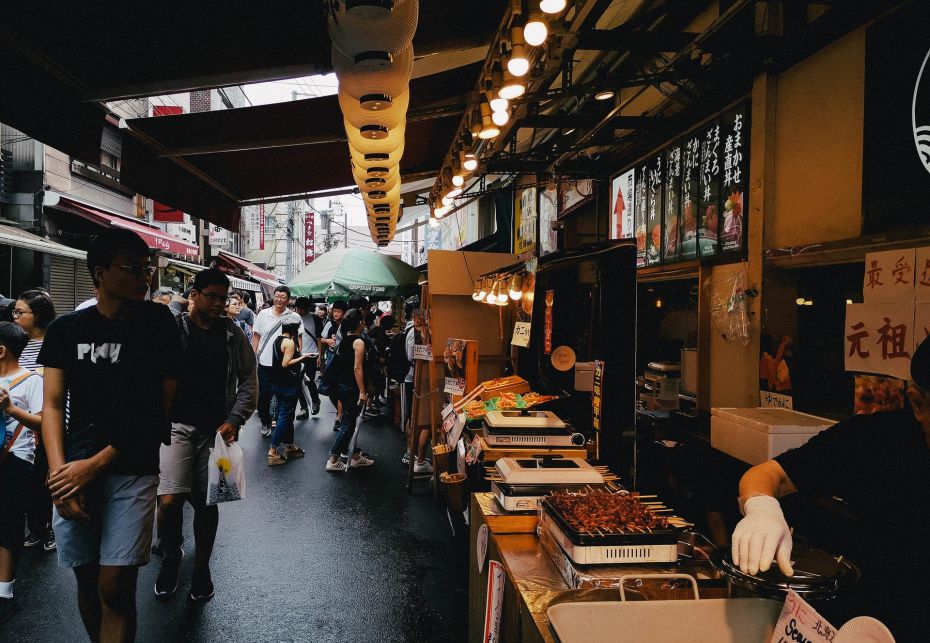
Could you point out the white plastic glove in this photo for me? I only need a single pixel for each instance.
(761, 536)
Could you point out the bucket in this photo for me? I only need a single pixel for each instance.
(442, 458)
(456, 490)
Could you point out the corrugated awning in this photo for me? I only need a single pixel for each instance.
(21, 239)
(155, 238)
(244, 265)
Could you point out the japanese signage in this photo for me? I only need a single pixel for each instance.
(494, 605)
(454, 366)
(622, 190)
(597, 392)
(261, 226)
(640, 213)
(801, 622)
(672, 202)
(654, 211)
(521, 334)
(889, 277)
(423, 352)
(309, 248)
(573, 194)
(922, 275)
(550, 301)
(695, 190)
(524, 222)
(548, 215)
(879, 338)
(735, 176)
(775, 400)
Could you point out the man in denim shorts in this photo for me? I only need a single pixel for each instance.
(117, 363)
(217, 391)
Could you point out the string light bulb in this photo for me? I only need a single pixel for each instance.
(458, 180)
(483, 288)
(476, 293)
(502, 299)
(535, 31)
(488, 128)
(500, 118)
(552, 6)
(512, 87)
(517, 64)
(516, 287)
(471, 162)
(499, 104)
(492, 294)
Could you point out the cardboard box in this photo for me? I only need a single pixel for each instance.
(755, 435)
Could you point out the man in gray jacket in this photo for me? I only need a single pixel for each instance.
(217, 391)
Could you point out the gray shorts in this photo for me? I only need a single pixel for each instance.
(183, 463)
(119, 532)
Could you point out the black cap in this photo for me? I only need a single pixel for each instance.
(340, 305)
(920, 365)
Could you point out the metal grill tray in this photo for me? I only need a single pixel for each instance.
(656, 537)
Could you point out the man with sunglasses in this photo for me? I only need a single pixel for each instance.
(217, 390)
(117, 363)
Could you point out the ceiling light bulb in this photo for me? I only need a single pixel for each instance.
(488, 132)
(482, 288)
(454, 192)
(491, 297)
(535, 32)
(458, 180)
(552, 6)
(604, 95)
(500, 118)
(499, 104)
(516, 286)
(488, 129)
(502, 299)
(441, 211)
(447, 201)
(512, 88)
(471, 163)
(518, 64)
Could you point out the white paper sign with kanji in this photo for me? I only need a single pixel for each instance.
(922, 276)
(879, 338)
(889, 277)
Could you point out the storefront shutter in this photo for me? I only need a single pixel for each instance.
(83, 284)
(61, 283)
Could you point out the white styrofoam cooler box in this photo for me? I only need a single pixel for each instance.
(755, 435)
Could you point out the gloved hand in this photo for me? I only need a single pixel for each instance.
(761, 536)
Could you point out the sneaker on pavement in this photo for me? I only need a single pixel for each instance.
(303, 415)
(276, 460)
(49, 543)
(315, 408)
(336, 427)
(167, 582)
(202, 589)
(32, 540)
(335, 466)
(293, 451)
(423, 467)
(8, 609)
(361, 461)
(266, 430)
(406, 459)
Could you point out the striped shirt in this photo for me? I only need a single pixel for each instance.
(28, 359)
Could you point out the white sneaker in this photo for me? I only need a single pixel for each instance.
(362, 461)
(422, 467)
(335, 466)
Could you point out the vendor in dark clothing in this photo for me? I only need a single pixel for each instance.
(879, 465)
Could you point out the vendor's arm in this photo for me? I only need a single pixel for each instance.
(766, 479)
(763, 534)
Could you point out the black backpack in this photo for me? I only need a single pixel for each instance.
(397, 363)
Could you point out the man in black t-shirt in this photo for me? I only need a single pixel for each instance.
(117, 363)
(878, 466)
(217, 391)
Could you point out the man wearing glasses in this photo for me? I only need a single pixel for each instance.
(117, 362)
(266, 330)
(216, 394)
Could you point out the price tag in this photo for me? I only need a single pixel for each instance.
(801, 622)
(423, 352)
(521, 334)
(447, 410)
(449, 422)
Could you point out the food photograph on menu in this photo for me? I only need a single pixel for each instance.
(690, 186)
(654, 193)
(711, 162)
(735, 155)
(672, 200)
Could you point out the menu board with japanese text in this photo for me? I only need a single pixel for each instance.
(889, 277)
(640, 213)
(672, 202)
(735, 179)
(690, 196)
(879, 338)
(622, 190)
(709, 210)
(654, 211)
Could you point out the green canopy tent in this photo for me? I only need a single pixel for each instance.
(343, 272)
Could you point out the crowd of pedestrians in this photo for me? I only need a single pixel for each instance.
(110, 412)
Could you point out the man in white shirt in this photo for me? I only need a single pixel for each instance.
(267, 328)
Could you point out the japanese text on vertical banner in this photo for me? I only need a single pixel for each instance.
(261, 226)
(597, 394)
(309, 250)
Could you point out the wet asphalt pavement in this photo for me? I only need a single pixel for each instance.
(309, 555)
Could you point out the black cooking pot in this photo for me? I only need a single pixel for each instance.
(818, 576)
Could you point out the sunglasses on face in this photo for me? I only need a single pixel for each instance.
(137, 271)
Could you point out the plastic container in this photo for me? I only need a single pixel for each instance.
(755, 435)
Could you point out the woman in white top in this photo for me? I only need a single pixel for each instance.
(34, 311)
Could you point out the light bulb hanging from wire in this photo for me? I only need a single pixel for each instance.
(552, 6)
(512, 87)
(500, 118)
(535, 31)
(517, 64)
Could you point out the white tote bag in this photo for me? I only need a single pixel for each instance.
(225, 473)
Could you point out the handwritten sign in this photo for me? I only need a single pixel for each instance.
(889, 277)
(423, 352)
(775, 400)
(550, 301)
(801, 622)
(521, 334)
(495, 602)
(597, 392)
(879, 338)
(455, 431)
(922, 275)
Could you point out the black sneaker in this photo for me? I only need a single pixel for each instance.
(49, 543)
(315, 409)
(32, 540)
(303, 415)
(8, 609)
(201, 586)
(167, 582)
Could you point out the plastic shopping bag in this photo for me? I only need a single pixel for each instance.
(225, 473)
